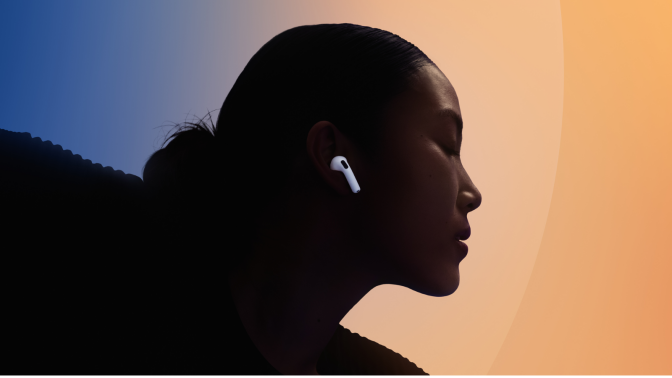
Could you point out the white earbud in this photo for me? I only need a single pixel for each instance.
(340, 163)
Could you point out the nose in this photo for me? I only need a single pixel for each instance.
(469, 197)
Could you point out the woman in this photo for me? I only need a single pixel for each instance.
(301, 249)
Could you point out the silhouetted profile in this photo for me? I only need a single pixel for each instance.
(242, 250)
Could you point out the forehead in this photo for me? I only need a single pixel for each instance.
(429, 100)
(433, 88)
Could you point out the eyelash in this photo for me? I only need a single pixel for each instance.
(450, 151)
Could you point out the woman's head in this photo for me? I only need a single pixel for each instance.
(311, 93)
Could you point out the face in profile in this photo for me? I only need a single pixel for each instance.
(421, 192)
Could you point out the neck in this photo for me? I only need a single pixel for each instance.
(294, 290)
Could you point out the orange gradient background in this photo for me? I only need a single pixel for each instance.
(600, 297)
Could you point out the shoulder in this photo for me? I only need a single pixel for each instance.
(349, 353)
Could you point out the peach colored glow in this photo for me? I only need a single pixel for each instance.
(600, 297)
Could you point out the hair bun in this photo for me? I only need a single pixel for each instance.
(184, 165)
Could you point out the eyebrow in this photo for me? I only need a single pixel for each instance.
(451, 114)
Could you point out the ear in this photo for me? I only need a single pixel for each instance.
(324, 142)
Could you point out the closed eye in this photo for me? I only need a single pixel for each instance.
(451, 151)
(447, 150)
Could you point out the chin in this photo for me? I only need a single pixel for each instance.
(448, 289)
(444, 285)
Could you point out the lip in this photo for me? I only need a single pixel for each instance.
(464, 234)
(463, 248)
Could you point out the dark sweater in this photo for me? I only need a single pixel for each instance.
(91, 281)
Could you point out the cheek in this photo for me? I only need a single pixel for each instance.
(411, 211)
(426, 210)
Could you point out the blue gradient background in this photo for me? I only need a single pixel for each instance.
(102, 78)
